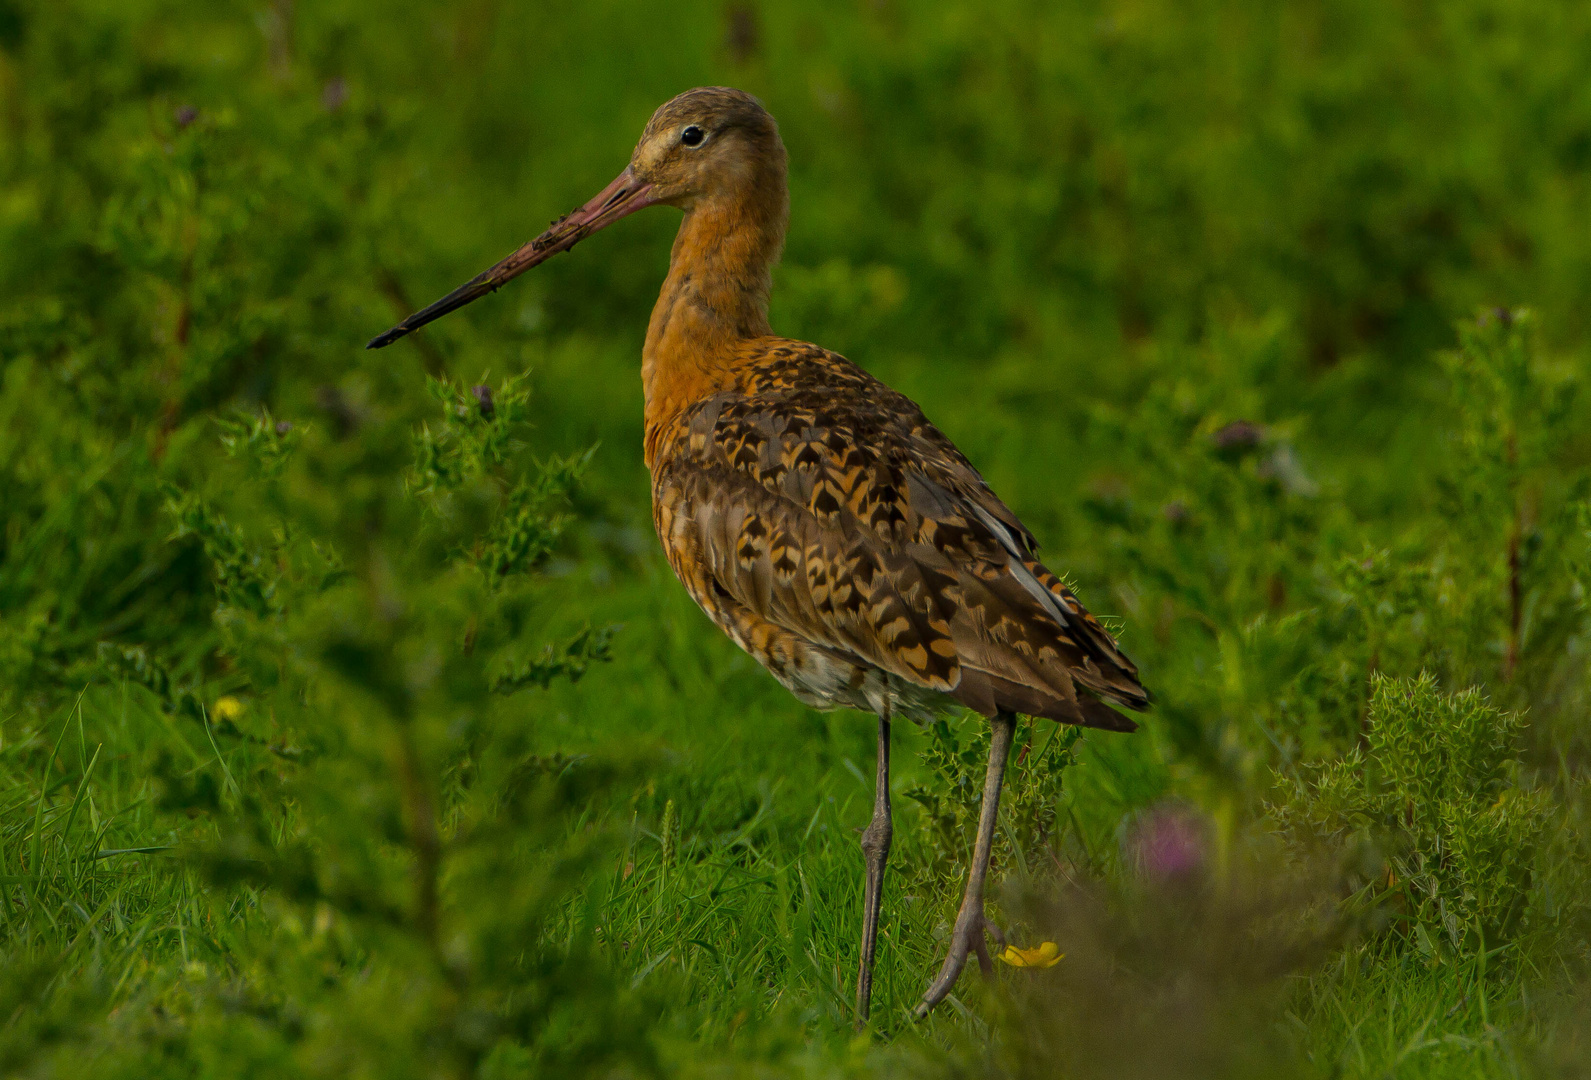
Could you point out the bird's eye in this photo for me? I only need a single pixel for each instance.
(692, 136)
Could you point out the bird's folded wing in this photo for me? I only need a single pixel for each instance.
(864, 530)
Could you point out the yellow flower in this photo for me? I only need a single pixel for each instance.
(1048, 954)
(228, 708)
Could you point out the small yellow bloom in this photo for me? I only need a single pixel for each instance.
(228, 708)
(1048, 954)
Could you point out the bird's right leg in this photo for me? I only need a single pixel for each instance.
(968, 934)
(875, 848)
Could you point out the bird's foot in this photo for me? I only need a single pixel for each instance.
(967, 937)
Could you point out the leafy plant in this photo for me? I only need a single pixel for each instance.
(1436, 786)
(1026, 841)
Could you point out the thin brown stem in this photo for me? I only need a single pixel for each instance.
(1515, 604)
(424, 838)
(171, 408)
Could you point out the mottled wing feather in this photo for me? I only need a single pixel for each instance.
(816, 511)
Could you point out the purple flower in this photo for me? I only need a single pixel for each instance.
(1169, 844)
(1238, 436)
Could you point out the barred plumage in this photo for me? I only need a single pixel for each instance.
(836, 535)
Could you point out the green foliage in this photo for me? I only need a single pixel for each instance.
(319, 752)
(956, 756)
(1436, 786)
(571, 662)
(468, 809)
(241, 578)
(1218, 527)
(468, 460)
(355, 628)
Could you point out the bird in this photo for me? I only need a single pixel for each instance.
(814, 513)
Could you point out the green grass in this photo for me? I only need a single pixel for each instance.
(1372, 1016)
(727, 897)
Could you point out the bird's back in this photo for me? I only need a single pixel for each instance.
(836, 535)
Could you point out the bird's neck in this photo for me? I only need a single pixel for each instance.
(714, 300)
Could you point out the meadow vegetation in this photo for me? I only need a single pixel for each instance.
(352, 724)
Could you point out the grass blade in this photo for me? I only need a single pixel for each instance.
(107, 853)
(77, 801)
(44, 787)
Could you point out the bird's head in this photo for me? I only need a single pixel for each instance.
(709, 144)
(712, 142)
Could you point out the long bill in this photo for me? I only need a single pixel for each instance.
(625, 195)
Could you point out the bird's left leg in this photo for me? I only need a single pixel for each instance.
(875, 847)
(968, 934)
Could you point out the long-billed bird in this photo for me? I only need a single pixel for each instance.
(815, 514)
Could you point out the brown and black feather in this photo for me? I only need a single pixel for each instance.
(835, 534)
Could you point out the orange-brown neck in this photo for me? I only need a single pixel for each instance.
(714, 299)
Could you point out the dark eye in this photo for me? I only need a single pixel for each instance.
(692, 136)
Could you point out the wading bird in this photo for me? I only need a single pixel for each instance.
(812, 512)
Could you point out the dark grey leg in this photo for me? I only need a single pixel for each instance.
(968, 934)
(875, 847)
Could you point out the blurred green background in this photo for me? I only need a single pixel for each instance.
(348, 728)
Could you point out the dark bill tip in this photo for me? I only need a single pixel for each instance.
(622, 197)
(476, 288)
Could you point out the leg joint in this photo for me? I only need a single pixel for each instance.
(877, 836)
